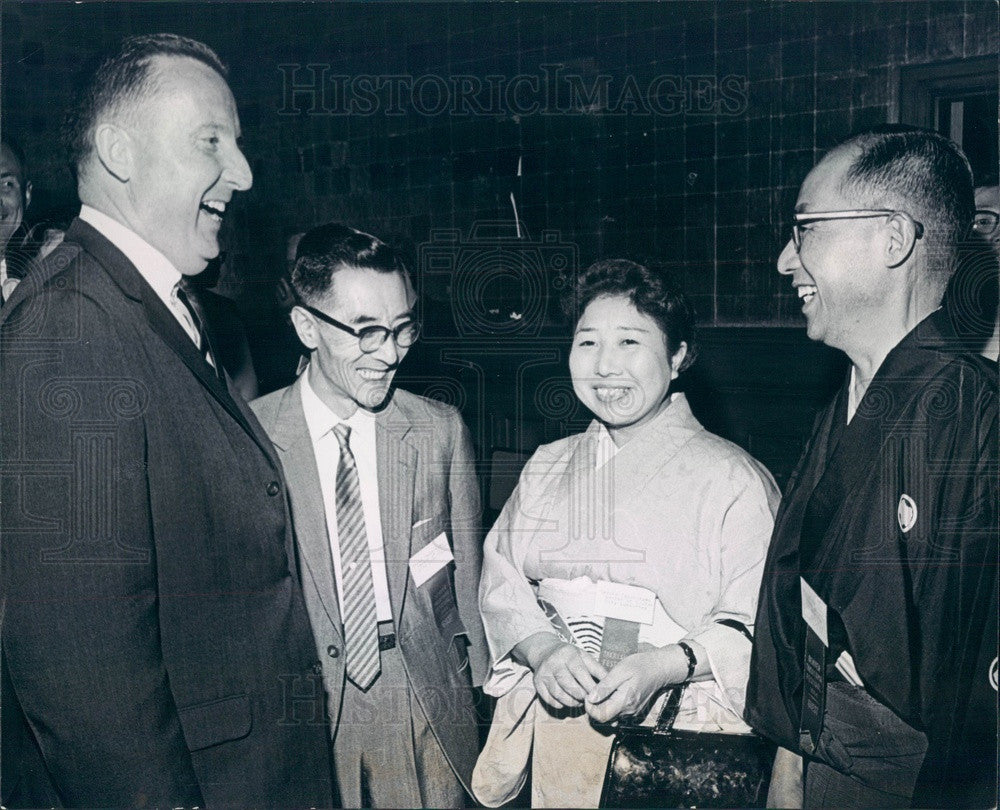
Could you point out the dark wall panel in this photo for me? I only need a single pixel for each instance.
(672, 132)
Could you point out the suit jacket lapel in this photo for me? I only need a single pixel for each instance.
(396, 461)
(166, 326)
(163, 323)
(291, 437)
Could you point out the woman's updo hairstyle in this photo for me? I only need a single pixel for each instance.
(652, 292)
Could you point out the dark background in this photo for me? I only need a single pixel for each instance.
(703, 184)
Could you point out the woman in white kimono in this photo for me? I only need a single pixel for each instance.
(628, 558)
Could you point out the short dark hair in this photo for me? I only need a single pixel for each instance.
(919, 171)
(118, 77)
(651, 290)
(328, 248)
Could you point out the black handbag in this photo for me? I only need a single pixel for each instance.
(663, 767)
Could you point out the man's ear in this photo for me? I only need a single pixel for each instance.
(115, 148)
(901, 239)
(27, 194)
(411, 293)
(305, 327)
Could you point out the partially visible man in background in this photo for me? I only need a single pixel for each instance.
(985, 225)
(15, 196)
(156, 648)
(18, 246)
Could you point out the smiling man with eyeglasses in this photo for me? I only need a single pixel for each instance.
(985, 226)
(385, 504)
(875, 640)
(988, 214)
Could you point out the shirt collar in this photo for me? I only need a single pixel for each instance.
(152, 265)
(320, 418)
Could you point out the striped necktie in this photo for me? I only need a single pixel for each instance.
(360, 618)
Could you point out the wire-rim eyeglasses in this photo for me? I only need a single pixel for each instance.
(808, 218)
(985, 221)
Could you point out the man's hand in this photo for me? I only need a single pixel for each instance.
(563, 674)
(786, 780)
(630, 686)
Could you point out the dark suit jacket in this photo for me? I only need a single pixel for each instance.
(156, 645)
(427, 485)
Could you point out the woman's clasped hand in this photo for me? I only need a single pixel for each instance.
(630, 686)
(567, 677)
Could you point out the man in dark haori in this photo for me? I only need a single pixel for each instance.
(874, 666)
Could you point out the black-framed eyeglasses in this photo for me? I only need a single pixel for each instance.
(802, 220)
(371, 338)
(985, 222)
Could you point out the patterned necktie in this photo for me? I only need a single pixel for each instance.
(189, 298)
(360, 618)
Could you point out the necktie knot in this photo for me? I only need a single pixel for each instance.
(343, 433)
(181, 294)
(185, 293)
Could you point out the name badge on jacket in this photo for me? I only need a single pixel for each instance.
(430, 559)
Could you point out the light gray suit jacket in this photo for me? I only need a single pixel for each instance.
(427, 485)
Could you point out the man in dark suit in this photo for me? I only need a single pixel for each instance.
(156, 645)
(386, 510)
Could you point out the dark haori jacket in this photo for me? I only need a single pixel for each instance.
(156, 649)
(892, 520)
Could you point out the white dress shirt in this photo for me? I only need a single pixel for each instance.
(321, 421)
(7, 284)
(152, 265)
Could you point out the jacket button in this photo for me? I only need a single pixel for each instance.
(273, 488)
(316, 667)
(332, 651)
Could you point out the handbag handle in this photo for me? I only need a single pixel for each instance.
(671, 708)
(672, 705)
(668, 714)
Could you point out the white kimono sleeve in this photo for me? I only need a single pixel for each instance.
(745, 507)
(506, 599)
